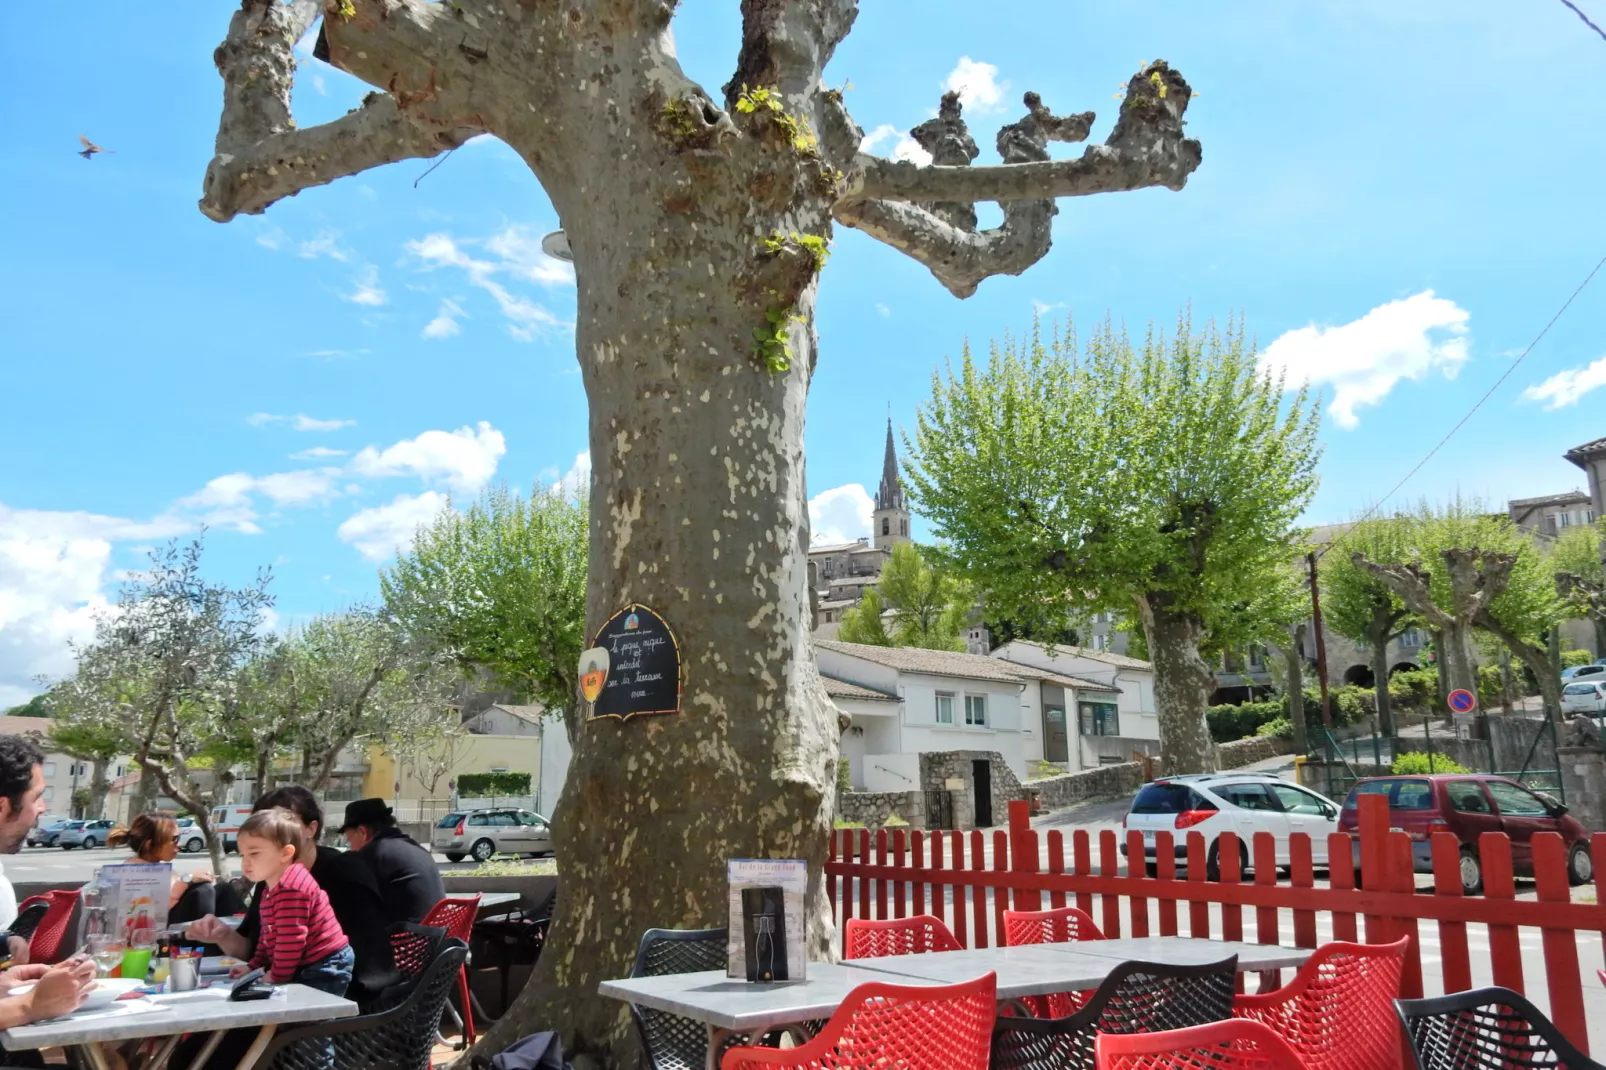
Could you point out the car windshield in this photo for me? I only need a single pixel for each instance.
(1160, 798)
(449, 821)
(1578, 689)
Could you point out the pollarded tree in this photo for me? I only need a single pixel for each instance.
(1162, 479)
(1580, 576)
(698, 226)
(1358, 605)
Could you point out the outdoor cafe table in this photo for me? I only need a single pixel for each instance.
(205, 1010)
(496, 899)
(726, 1005)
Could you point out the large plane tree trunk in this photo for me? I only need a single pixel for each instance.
(698, 228)
(1182, 685)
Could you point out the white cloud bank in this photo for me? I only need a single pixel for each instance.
(977, 85)
(298, 422)
(1364, 360)
(379, 532)
(464, 459)
(840, 514)
(1567, 387)
(516, 255)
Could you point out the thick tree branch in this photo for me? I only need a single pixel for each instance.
(927, 211)
(787, 43)
(262, 156)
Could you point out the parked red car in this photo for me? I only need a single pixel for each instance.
(1469, 805)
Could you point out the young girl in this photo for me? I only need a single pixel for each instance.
(300, 940)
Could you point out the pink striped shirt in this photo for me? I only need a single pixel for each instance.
(298, 926)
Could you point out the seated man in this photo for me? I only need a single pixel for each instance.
(57, 990)
(409, 880)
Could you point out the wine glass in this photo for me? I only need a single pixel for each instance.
(107, 951)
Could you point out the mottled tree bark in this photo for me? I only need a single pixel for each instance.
(1182, 684)
(695, 227)
(1537, 658)
(1295, 662)
(99, 788)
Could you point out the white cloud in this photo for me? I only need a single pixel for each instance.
(323, 245)
(1042, 308)
(464, 459)
(883, 309)
(317, 453)
(377, 533)
(1566, 387)
(977, 85)
(298, 422)
(272, 238)
(336, 354)
(840, 514)
(366, 289)
(904, 147)
(444, 325)
(319, 84)
(1364, 359)
(519, 256)
(577, 480)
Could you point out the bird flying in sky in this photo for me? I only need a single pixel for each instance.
(90, 148)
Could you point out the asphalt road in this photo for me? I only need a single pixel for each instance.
(56, 865)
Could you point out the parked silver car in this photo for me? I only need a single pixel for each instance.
(479, 834)
(85, 834)
(45, 833)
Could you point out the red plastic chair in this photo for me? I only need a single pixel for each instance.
(1235, 1044)
(456, 915)
(1060, 926)
(45, 943)
(866, 939)
(945, 1027)
(1338, 1011)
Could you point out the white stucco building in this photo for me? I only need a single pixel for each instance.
(1102, 726)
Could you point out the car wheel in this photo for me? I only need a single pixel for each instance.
(192, 847)
(453, 857)
(1580, 865)
(482, 850)
(1471, 872)
(1213, 861)
(91, 844)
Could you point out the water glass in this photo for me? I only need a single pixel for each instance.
(107, 951)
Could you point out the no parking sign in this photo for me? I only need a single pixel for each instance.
(1461, 700)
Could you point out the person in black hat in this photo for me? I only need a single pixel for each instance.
(409, 880)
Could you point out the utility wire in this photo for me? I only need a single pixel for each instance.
(1479, 404)
(1585, 18)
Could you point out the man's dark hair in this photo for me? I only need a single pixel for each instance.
(295, 798)
(18, 756)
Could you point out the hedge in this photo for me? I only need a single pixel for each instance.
(485, 785)
(1351, 705)
(1418, 762)
(1571, 659)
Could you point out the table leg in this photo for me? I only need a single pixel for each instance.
(92, 1056)
(716, 1037)
(199, 1062)
(254, 1052)
(164, 1053)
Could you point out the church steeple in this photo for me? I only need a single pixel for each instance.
(891, 517)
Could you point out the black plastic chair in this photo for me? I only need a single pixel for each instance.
(669, 1041)
(401, 1038)
(1137, 997)
(1486, 1029)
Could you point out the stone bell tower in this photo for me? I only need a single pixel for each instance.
(891, 518)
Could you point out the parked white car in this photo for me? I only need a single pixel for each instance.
(1244, 803)
(1585, 696)
(1579, 673)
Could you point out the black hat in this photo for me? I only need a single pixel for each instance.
(366, 812)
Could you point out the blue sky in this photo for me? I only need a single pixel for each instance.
(1396, 197)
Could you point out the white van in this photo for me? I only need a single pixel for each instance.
(227, 820)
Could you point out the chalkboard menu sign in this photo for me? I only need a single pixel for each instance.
(642, 666)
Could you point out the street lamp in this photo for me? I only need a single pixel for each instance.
(556, 245)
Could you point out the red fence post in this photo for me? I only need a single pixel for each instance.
(1374, 823)
(1403, 866)
(1023, 855)
(1561, 945)
(1301, 875)
(956, 842)
(1165, 868)
(1138, 916)
(1505, 951)
(1456, 963)
(1056, 866)
(978, 892)
(1109, 866)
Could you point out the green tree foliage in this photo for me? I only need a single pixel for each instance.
(38, 706)
(928, 605)
(865, 622)
(1162, 478)
(1415, 762)
(480, 785)
(1580, 577)
(1361, 607)
(501, 586)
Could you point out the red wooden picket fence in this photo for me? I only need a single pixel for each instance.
(912, 872)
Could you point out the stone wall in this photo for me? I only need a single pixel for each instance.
(1332, 779)
(1511, 744)
(872, 808)
(1242, 752)
(1107, 781)
(954, 772)
(1583, 777)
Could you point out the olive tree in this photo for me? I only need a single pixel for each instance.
(1359, 605)
(1161, 478)
(699, 222)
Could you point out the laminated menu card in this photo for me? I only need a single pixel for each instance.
(136, 895)
(767, 919)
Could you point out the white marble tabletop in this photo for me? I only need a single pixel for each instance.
(743, 1006)
(496, 899)
(1034, 970)
(203, 1011)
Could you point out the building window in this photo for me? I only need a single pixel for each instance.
(903, 526)
(945, 707)
(1411, 637)
(49, 793)
(976, 710)
(1100, 719)
(886, 525)
(50, 769)
(1101, 642)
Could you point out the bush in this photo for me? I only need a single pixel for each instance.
(1418, 762)
(1281, 728)
(1228, 723)
(483, 785)
(844, 775)
(1415, 689)
(1571, 659)
(1489, 685)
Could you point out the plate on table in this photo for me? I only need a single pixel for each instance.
(106, 990)
(220, 963)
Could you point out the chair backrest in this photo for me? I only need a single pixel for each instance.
(414, 947)
(1235, 1044)
(455, 914)
(46, 943)
(1335, 1012)
(1486, 1029)
(401, 1038)
(670, 1040)
(1137, 997)
(910, 1027)
(1048, 926)
(864, 939)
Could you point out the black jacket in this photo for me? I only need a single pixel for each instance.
(354, 896)
(409, 880)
